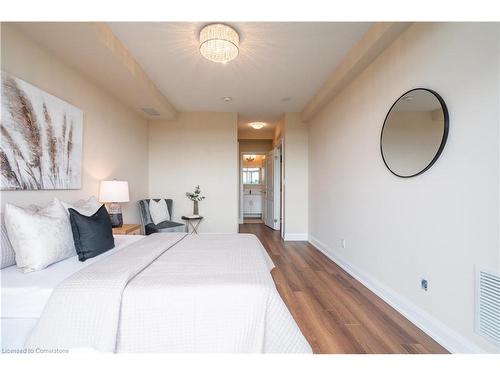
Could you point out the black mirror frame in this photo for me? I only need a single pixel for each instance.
(443, 140)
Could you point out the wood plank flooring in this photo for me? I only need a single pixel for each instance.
(335, 312)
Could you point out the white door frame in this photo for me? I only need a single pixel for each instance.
(241, 179)
(270, 209)
(277, 188)
(281, 145)
(275, 222)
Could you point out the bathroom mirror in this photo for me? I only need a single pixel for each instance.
(414, 132)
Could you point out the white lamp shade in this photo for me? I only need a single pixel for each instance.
(114, 192)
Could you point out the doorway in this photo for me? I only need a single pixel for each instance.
(261, 188)
(252, 187)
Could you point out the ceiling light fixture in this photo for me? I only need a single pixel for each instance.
(250, 158)
(219, 43)
(257, 125)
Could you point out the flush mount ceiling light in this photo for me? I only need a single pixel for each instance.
(219, 43)
(257, 125)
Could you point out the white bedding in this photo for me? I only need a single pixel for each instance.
(24, 295)
(207, 293)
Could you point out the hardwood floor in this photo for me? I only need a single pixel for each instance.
(335, 312)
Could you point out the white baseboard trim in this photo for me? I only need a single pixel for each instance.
(296, 237)
(444, 335)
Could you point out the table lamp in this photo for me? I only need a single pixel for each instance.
(114, 192)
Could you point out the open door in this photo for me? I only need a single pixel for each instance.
(272, 197)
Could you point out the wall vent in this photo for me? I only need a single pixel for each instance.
(488, 306)
(151, 111)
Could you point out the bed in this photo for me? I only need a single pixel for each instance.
(24, 295)
(161, 293)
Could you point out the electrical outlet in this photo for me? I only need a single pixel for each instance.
(343, 243)
(424, 284)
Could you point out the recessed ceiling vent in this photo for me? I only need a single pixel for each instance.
(488, 306)
(151, 111)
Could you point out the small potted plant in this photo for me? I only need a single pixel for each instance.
(195, 197)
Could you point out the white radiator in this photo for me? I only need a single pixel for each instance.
(488, 306)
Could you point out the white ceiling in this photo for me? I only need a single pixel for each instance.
(276, 61)
(93, 50)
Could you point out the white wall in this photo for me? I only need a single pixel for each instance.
(296, 177)
(441, 224)
(198, 148)
(115, 139)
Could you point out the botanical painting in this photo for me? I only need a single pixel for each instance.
(40, 141)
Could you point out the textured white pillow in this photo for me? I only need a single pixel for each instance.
(85, 207)
(158, 211)
(39, 238)
(7, 255)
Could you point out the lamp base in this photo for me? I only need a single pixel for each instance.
(115, 215)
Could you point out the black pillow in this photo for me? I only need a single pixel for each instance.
(93, 235)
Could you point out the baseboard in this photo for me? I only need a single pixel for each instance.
(296, 237)
(444, 335)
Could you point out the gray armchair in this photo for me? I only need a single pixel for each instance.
(164, 226)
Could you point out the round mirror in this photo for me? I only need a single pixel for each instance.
(414, 132)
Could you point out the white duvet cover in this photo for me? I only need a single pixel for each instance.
(24, 295)
(165, 293)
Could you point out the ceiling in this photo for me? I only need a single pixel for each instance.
(93, 50)
(267, 132)
(279, 68)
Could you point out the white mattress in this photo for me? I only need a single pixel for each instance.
(24, 295)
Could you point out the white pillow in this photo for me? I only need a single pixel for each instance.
(158, 211)
(85, 207)
(39, 238)
(7, 255)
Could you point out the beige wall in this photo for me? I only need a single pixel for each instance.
(115, 140)
(439, 225)
(258, 162)
(296, 177)
(278, 131)
(257, 145)
(197, 149)
(252, 134)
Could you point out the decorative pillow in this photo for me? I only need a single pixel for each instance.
(85, 207)
(39, 238)
(7, 255)
(158, 211)
(93, 235)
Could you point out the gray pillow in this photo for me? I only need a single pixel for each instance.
(7, 255)
(93, 235)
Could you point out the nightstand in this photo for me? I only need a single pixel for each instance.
(128, 229)
(193, 222)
